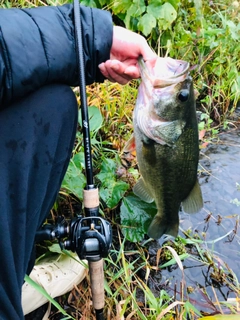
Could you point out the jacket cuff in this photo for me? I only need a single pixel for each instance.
(97, 28)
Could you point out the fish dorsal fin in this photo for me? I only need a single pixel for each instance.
(141, 191)
(194, 202)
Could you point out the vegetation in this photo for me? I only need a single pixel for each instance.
(207, 34)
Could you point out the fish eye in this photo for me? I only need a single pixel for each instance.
(183, 95)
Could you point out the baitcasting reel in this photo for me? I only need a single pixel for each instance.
(90, 237)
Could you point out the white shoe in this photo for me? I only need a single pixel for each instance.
(56, 277)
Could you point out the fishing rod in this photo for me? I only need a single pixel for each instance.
(89, 236)
(96, 240)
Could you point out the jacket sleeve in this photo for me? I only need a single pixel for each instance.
(37, 47)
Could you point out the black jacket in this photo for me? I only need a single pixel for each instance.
(37, 47)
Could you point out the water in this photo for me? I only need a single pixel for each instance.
(217, 224)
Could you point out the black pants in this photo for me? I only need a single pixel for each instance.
(36, 139)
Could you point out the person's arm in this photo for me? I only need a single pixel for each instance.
(37, 47)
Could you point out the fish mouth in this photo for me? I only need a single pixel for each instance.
(174, 68)
(166, 72)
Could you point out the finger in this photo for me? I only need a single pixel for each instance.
(114, 71)
(128, 69)
(113, 77)
(103, 69)
(120, 73)
(132, 72)
(120, 78)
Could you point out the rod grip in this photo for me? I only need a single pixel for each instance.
(97, 283)
(90, 198)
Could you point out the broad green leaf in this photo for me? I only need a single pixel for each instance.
(55, 247)
(108, 166)
(78, 160)
(133, 24)
(89, 3)
(135, 10)
(111, 190)
(174, 3)
(156, 3)
(102, 2)
(95, 118)
(136, 215)
(74, 180)
(121, 6)
(146, 23)
(155, 9)
(166, 14)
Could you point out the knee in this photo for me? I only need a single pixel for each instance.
(59, 104)
(62, 98)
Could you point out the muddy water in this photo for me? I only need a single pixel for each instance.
(217, 224)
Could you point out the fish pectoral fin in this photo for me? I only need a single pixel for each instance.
(130, 145)
(141, 191)
(194, 202)
(169, 131)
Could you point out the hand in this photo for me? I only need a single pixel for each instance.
(127, 46)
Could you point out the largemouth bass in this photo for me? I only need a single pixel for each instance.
(167, 145)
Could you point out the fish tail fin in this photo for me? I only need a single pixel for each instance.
(160, 226)
(194, 202)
